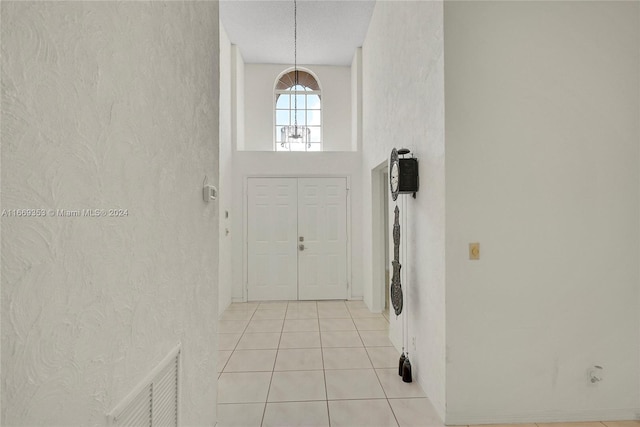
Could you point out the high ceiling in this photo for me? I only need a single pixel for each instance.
(329, 31)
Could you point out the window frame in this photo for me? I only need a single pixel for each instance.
(305, 111)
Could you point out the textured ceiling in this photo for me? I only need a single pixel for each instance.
(328, 31)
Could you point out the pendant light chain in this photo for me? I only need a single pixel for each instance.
(295, 65)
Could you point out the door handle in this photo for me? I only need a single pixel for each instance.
(301, 247)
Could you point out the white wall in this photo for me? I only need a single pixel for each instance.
(107, 105)
(225, 192)
(335, 82)
(246, 163)
(403, 106)
(356, 101)
(237, 99)
(542, 138)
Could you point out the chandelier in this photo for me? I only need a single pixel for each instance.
(295, 132)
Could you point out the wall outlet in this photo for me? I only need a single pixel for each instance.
(413, 343)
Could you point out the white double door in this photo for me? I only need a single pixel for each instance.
(297, 238)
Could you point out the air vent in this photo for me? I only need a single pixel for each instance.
(154, 402)
(138, 411)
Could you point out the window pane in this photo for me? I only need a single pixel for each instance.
(299, 115)
(316, 135)
(298, 87)
(279, 134)
(297, 146)
(280, 146)
(283, 101)
(314, 147)
(282, 117)
(313, 102)
(313, 118)
(300, 99)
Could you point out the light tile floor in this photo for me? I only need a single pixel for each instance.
(324, 363)
(313, 364)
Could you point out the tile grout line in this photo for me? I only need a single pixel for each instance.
(322, 347)
(266, 399)
(378, 378)
(324, 371)
(236, 346)
(326, 400)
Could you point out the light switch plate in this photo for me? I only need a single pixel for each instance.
(474, 251)
(209, 193)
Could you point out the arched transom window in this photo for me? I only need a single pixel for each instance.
(298, 115)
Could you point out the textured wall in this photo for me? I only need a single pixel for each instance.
(542, 137)
(403, 106)
(225, 200)
(356, 100)
(107, 105)
(237, 99)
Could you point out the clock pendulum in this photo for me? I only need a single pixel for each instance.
(406, 365)
(396, 285)
(401, 180)
(394, 184)
(406, 370)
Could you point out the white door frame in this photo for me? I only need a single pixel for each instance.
(378, 207)
(245, 226)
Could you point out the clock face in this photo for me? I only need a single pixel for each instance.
(394, 174)
(394, 177)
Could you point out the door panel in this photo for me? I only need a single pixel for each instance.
(272, 239)
(322, 222)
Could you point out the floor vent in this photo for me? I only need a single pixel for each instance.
(154, 402)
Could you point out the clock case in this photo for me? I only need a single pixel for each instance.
(408, 178)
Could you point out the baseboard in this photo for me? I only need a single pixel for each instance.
(438, 406)
(468, 418)
(220, 312)
(240, 299)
